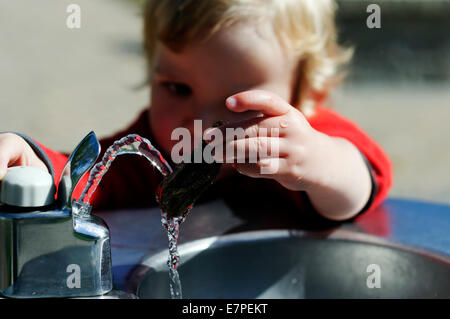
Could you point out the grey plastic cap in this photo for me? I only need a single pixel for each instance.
(26, 186)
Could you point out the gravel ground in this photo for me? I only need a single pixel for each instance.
(57, 84)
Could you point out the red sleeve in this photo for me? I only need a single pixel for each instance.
(331, 123)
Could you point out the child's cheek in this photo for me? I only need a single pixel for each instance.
(162, 124)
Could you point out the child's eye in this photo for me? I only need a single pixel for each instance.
(179, 89)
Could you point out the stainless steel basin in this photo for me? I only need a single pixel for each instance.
(294, 264)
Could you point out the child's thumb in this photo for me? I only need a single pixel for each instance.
(3, 167)
(2, 172)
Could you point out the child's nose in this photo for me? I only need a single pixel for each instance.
(207, 113)
(187, 117)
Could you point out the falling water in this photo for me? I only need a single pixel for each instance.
(134, 144)
(172, 225)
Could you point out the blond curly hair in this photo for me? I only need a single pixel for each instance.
(306, 27)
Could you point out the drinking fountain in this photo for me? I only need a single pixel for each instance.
(47, 249)
(295, 264)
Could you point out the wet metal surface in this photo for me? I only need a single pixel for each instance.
(285, 264)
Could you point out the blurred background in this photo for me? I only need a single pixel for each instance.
(57, 84)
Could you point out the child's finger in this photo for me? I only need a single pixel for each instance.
(259, 126)
(257, 100)
(6, 155)
(14, 151)
(250, 150)
(3, 169)
(265, 168)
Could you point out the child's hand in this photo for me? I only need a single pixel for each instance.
(296, 164)
(331, 170)
(15, 151)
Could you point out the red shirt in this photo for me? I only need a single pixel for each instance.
(132, 181)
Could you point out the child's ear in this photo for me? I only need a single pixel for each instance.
(301, 89)
(318, 96)
(299, 85)
(307, 107)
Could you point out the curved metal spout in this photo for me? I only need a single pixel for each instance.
(80, 161)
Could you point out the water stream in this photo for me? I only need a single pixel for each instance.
(134, 144)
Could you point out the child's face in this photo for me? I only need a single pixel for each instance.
(194, 83)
